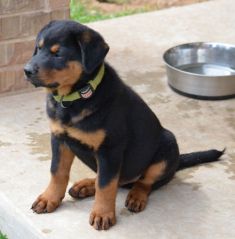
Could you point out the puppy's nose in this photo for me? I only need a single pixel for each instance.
(29, 70)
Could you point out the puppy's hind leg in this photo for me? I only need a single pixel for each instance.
(82, 189)
(138, 196)
(160, 172)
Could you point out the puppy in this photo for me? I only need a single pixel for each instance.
(93, 115)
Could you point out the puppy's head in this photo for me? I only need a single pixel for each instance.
(64, 51)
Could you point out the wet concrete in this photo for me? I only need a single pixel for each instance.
(40, 144)
(198, 203)
(4, 144)
(230, 165)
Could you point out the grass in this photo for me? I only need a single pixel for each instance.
(2, 236)
(80, 13)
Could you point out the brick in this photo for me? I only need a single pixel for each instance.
(10, 27)
(19, 6)
(24, 25)
(3, 55)
(28, 24)
(60, 14)
(12, 79)
(58, 4)
(20, 21)
(32, 23)
(15, 53)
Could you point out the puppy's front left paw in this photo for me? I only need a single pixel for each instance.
(102, 220)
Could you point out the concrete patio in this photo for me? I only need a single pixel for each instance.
(198, 203)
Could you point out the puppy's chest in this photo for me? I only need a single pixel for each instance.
(72, 128)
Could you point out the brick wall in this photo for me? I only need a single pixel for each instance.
(20, 21)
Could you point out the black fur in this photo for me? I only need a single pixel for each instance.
(55, 147)
(135, 139)
(192, 159)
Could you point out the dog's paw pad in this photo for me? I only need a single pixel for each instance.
(82, 189)
(102, 221)
(136, 202)
(45, 205)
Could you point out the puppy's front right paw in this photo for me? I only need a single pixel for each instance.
(46, 203)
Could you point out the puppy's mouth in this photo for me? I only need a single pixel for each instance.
(39, 83)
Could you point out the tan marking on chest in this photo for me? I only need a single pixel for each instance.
(92, 139)
(56, 127)
(81, 116)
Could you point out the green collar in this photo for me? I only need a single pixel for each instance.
(84, 93)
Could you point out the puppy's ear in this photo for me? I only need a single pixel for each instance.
(93, 49)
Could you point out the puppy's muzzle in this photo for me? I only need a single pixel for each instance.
(30, 70)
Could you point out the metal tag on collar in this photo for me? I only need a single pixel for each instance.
(86, 92)
(61, 103)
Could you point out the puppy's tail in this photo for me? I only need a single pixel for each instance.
(192, 159)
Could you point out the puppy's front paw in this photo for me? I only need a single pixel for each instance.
(46, 203)
(102, 220)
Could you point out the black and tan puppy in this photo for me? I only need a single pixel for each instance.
(96, 117)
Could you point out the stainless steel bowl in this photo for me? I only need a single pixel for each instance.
(202, 70)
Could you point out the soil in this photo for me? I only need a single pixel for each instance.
(115, 6)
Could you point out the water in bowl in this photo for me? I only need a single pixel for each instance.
(208, 69)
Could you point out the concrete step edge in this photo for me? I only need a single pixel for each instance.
(14, 224)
